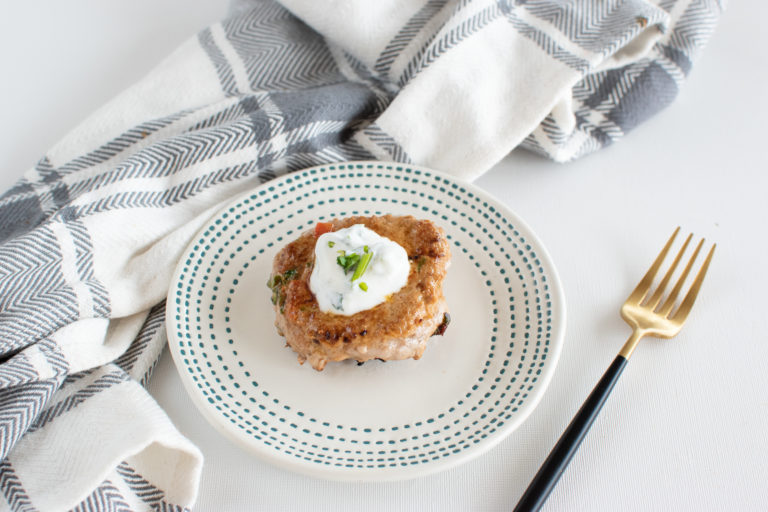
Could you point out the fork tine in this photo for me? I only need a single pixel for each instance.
(656, 297)
(644, 285)
(682, 312)
(670, 302)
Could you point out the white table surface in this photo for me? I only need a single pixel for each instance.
(685, 428)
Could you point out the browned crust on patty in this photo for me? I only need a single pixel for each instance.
(395, 329)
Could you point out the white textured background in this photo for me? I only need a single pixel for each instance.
(685, 428)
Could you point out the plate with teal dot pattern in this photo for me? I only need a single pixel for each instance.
(382, 420)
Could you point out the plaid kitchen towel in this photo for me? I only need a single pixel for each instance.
(89, 236)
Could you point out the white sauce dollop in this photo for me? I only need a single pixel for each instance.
(334, 289)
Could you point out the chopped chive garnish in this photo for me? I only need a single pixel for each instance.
(347, 261)
(331, 244)
(362, 266)
(365, 248)
(363, 287)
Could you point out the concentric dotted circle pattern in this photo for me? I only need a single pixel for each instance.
(519, 293)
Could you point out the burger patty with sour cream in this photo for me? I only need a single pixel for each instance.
(361, 288)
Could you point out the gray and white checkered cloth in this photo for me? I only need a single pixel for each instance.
(90, 236)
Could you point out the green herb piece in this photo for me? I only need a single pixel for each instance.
(363, 266)
(365, 248)
(363, 286)
(331, 244)
(420, 263)
(347, 261)
(341, 259)
(274, 281)
(276, 284)
(443, 325)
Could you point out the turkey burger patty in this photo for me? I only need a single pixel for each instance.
(395, 328)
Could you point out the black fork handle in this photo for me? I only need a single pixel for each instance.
(558, 459)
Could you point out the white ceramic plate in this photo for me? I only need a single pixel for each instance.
(378, 421)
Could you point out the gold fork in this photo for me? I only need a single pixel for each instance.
(648, 316)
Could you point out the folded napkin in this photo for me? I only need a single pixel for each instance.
(90, 236)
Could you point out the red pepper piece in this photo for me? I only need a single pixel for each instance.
(322, 228)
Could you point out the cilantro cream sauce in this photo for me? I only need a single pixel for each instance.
(386, 273)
